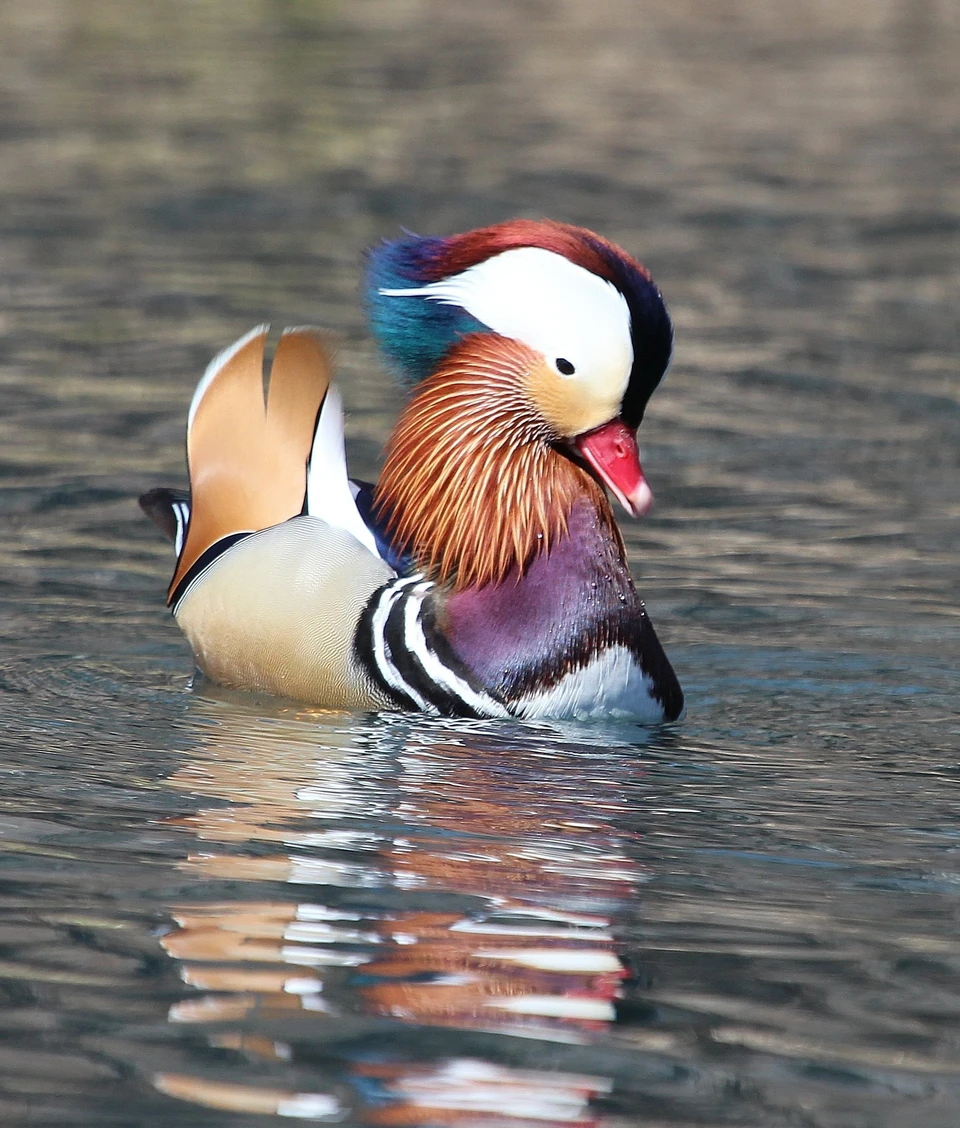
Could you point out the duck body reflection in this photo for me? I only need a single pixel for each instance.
(420, 906)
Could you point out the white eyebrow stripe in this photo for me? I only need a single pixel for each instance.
(546, 301)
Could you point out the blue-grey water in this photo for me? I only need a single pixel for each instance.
(221, 911)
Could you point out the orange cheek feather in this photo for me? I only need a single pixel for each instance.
(570, 406)
(471, 482)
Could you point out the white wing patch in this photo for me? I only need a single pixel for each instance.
(548, 302)
(328, 488)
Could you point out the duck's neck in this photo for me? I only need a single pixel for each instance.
(472, 486)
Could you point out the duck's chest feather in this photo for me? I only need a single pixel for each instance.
(570, 637)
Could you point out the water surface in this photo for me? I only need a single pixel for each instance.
(218, 910)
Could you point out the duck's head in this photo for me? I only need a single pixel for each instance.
(527, 335)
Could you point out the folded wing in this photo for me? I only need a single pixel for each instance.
(275, 564)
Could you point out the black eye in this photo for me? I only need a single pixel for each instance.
(564, 366)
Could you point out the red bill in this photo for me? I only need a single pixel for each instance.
(612, 453)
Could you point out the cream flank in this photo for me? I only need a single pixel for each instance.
(277, 613)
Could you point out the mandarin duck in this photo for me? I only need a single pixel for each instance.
(484, 575)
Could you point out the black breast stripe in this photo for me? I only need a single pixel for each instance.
(372, 655)
(398, 644)
(409, 665)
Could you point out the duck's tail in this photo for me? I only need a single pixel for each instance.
(169, 510)
(248, 456)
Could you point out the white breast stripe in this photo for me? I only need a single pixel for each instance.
(442, 675)
(381, 651)
(404, 658)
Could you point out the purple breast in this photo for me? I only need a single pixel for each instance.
(526, 633)
(508, 632)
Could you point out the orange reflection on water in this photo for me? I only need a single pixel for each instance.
(465, 889)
